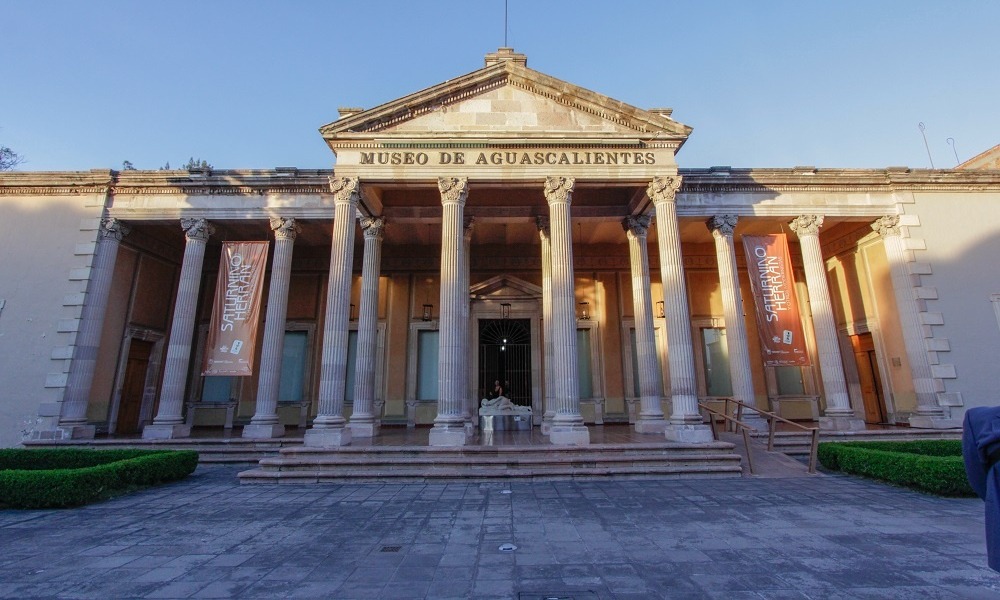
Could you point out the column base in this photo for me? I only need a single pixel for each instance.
(546, 426)
(934, 422)
(650, 425)
(165, 432)
(367, 429)
(688, 434)
(447, 435)
(470, 428)
(327, 438)
(569, 435)
(841, 424)
(78, 432)
(259, 431)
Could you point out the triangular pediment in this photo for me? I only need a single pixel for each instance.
(505, 100)
(505, 287)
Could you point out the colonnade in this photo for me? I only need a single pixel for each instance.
(562, 420)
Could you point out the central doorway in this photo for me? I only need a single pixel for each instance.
(505, 355)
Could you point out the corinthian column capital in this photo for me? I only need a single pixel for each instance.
(197, 229)
(284, 229)
(663, 189)
(372, 227)
(723, 225)
(453, 189)
(345, 189)
(806, 225)
(115, 229)
(637, 225)
(887, 225)
(559, 189)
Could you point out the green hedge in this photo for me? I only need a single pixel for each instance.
(933, 466)
(56, 478)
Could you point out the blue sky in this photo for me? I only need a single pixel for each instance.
(246, 84)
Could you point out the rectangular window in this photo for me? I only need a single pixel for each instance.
(427, 364)
(789, 380)
(716, 353)
(217, 389)
(293, 366)
(583, 366)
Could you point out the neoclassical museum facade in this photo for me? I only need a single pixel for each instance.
(503, 226)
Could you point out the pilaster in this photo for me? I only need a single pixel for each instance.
(548, 380)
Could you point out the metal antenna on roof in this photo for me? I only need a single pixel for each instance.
(951, 142)
(921, 127)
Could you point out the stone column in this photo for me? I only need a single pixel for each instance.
(470, 411)
(264, 423)
(650, 414)
(73, 414)
(449, 425)
(547, 376)
(567, 423)
(363, 421)
(686, 424)
(328, 428)
(838, 414)
(722, 227)
(929, 413)
(169, 420)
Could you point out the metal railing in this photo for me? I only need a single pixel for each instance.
(772, 420)
(736, 424)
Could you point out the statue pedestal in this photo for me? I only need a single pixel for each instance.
(508, 421)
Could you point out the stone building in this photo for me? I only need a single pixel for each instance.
(503, 225)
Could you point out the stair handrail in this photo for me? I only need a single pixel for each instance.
(737, 424)
(771, 424)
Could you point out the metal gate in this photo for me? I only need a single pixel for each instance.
(505, 355)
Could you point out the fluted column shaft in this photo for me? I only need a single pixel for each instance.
(328, 427)
(73, 413)
(363, 421)
(169, 421)
(722, 227)
(567, 423)
(449, 428)
(548, 377)
(264, 423)
(929, 412)
(685, 419)
(650, 414)
(470, 409)
(831, 365)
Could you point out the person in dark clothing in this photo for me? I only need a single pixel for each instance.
(981, 451)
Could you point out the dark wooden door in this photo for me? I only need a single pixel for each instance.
(870, 378)
(133, 386)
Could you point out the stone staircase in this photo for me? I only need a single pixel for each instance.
(425, 463)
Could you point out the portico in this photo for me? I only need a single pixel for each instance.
(505, 201)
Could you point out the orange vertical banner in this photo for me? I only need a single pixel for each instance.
(778, 321)
(232, 334)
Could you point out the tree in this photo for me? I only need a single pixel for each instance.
(127, 165)
(9, 159)
(197, 163)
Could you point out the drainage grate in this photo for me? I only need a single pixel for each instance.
(391, 548)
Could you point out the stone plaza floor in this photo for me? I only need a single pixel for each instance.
(823, 537)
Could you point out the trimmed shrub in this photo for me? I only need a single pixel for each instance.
(57, 478)
(933, 466)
